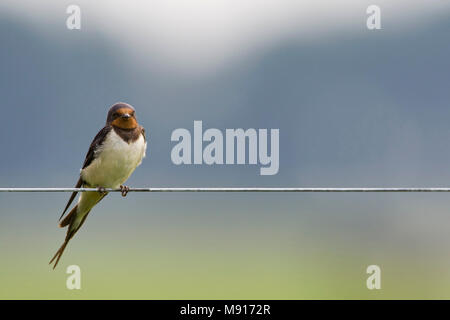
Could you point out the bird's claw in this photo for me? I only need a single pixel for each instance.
(101, 190)
(124, 190)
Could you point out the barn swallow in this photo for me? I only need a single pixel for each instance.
(114, 154)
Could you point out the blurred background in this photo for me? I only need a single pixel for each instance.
(355, 108)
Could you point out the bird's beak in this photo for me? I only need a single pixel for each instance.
(125, 116)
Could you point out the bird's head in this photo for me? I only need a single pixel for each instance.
(123, 116)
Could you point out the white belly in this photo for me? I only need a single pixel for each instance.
(115, 161)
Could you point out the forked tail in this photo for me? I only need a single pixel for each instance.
(74, 225)
(59, 253)
(75, 219)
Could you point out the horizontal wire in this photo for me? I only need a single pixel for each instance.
(248, 189)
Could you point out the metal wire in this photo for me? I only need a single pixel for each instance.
(246, 189)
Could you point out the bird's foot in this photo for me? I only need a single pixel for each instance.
(124, 190)
(101, 190)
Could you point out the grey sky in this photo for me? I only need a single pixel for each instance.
(199, 36)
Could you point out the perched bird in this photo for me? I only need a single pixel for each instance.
(114, 154)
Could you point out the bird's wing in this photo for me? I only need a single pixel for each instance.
(96, 143)
(143, 134)
(78, 185)
(90, 156)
